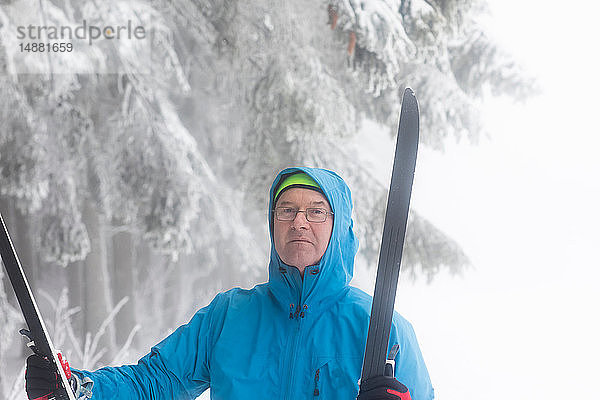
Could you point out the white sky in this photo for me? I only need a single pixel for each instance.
(523, 323)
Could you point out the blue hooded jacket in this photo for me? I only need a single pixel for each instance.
(289, 338)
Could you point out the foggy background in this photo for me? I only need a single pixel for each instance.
(134, 175)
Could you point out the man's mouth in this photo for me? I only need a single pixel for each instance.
(300, 241)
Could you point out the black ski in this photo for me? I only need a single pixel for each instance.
(394, 228)
(40, 342)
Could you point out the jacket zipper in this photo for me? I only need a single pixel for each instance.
(292, 360)
(298, 316)
(317, 392)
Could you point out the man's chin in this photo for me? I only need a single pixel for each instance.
(300, 262)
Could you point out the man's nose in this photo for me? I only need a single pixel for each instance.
(300, 220)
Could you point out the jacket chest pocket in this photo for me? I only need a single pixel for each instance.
(335, 377)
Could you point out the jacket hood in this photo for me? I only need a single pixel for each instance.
(335, 270)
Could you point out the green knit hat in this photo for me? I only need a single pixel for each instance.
(299, 179)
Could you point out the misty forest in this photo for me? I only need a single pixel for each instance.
(132, 198)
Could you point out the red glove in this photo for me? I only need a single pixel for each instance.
(383, 388)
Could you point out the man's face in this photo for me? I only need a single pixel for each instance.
(301, 243)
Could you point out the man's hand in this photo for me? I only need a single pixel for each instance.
(40, 378)
(383, 388)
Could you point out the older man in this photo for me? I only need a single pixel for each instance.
(301, 335)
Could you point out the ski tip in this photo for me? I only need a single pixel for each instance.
(409, 100)
(409, 97)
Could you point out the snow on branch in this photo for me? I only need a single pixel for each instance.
(379, 43)
(429, 250)
(298, 111)
(64, 237)
(157, 173)
(23, 160)
(478, 63)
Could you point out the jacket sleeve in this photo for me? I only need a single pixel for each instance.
(410, 366)
(176, 368)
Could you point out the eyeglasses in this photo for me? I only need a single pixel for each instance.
(312, 214)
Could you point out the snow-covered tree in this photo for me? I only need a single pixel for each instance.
(302, 77)
(168, 146)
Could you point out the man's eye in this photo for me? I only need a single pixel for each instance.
(288, 210)
(317, 211)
